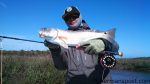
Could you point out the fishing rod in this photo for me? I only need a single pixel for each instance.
(20, 39)
(14, 38)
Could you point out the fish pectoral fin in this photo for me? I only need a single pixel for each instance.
(64, 45)
(62, 38)
(63, 41)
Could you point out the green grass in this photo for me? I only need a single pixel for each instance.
(134, 64)
(30, 70)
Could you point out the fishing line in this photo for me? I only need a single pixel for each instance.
(1, 49)
(103, 74)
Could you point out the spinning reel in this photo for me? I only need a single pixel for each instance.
(108, 60)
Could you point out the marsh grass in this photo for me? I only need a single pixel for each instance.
(134, 64)
(30, 70)
(36, 67)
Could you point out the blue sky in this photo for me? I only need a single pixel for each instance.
(24, 18)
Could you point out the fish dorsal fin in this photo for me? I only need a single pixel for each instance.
(111, 32)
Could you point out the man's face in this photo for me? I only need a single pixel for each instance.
(71, 19)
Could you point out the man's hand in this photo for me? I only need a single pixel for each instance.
(51, 46)
(94, 46)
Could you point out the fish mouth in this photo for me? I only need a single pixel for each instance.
(43, 32)
(48, 33)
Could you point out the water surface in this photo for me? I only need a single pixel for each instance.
(129, 77)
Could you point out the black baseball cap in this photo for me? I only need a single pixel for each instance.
(70, 10)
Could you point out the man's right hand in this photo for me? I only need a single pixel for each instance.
(51, 46)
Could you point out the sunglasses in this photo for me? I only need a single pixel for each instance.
(73, 17)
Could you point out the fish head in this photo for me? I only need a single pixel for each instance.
(50, 33)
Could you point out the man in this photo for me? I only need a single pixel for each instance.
(82, 65)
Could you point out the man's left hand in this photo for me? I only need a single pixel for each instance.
(94, 46)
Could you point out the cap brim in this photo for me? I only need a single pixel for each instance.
(67, 14)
